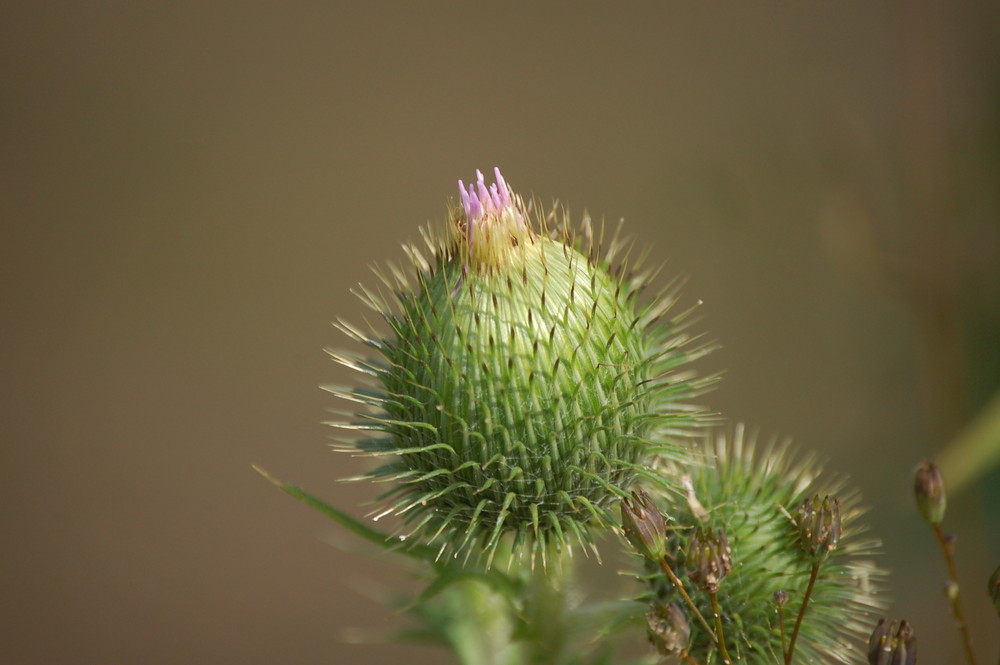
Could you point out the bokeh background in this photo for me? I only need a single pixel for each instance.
(189, 191)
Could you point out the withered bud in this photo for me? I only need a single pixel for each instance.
(928, 485)
(892, 644)
(820, 526)
(708, 558)
(668, 629)
(643, 525)
(780, 598)
(994, 589)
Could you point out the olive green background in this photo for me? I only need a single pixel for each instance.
(190, 190)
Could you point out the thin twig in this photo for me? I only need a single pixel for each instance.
(953, 592)
(802, 613)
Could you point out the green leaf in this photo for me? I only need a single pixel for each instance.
(976, 450)
(496, 581)
(352, 524)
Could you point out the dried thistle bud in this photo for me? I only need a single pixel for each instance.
(643, 525)
(928, 485)
(994, 589)
(780, 598)
(892, 644)
(820, 526)
(668, 628)
(708, 558)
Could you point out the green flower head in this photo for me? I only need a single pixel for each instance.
(522, 386)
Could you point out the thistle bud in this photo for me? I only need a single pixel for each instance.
(780, 598)
(643, 525)
(523, 387)
(892, 644)
(667, 628)
(928, 485)
(708, 558)
(820, 526)
(994, 589)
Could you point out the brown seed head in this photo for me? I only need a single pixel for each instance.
(668, 629)
(709, 558)
(643, 525)
(928, 486)
(820, 526)
(892, 644)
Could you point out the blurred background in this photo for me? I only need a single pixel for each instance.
(189, 191)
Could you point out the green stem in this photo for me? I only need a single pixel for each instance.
(687, 599)
(802, 613)
(781, 628)
(720, 636)
(953, 593)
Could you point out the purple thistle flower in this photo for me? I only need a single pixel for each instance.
(481, 203)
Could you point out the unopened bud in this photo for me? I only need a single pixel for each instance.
(892, 644)
(708, 558)
(780, 598)
(643, 525)
(820, 526)
(668, 629)
(928, 485)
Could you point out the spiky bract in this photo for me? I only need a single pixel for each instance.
(753, 496)
(523, 386)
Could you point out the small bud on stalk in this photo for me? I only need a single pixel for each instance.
(708, 558)
(928, 486)
(892, 644)
(643, 525)
(820, 526)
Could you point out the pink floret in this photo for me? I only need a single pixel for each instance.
(478, 200)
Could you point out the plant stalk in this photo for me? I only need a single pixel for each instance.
(802, 613)
(720, 636)
(952, 591)
(687, 599)
(781, 629)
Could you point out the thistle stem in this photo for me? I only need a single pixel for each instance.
(802, 613)
(781, 629)
(687, 599)
(952, 592)
(720, 636)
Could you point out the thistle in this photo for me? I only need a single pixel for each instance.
(522, 387)
(783, 573)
